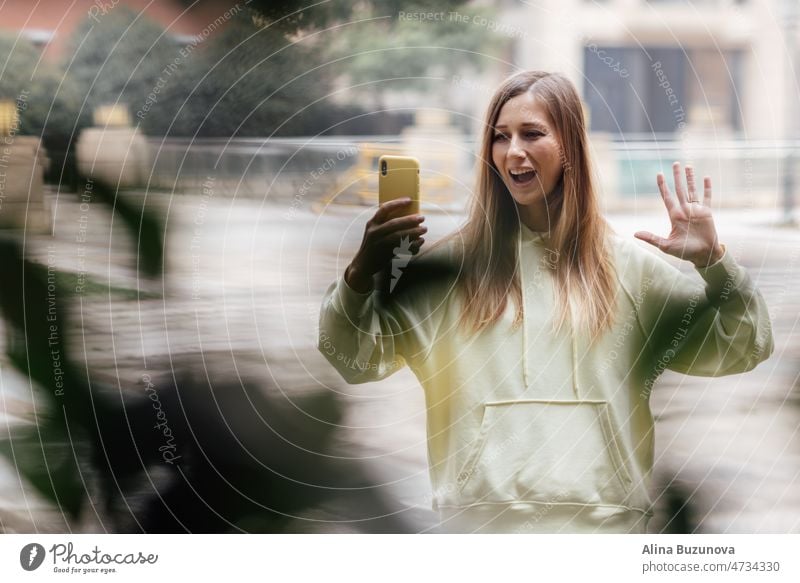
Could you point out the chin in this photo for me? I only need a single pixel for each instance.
(526, 197)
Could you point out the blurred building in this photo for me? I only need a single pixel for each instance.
(718, 67)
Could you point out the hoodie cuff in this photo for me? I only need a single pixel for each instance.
(348, 301)
(723, 276)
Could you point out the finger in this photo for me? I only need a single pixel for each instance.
(397, 223)
(415, 245)
(649, 237)
(386, 208)
(680, 192)
(669, 202)
(410, 233)
(415, 233)
(691, 185)
(707, 191)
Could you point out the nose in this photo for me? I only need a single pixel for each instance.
(514, 149)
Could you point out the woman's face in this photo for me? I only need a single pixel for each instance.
(526, 151)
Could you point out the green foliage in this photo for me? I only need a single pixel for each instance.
(19, 64)
(141, 223)
(45, 457)
(408, 50)
(292, 16)
(37, 324)
(47, 101)
(119, 57)
(248, 81)
(55, 106)
(268, 71)
(266, 76)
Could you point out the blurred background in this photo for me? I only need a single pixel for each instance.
(180, 182)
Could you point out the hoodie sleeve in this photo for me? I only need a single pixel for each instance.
(716, 329)
(367, 340)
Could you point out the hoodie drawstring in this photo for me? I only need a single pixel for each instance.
(574, 357)
(524, 314)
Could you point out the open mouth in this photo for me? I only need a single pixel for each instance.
(523, 178)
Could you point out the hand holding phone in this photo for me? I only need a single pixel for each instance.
(381, 236)
(397, 217)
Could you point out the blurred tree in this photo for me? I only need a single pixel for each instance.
(118, 58)
(56, 105)
(47, 99)
(298, 16)
(246, 81)
(49, 103)
(272, 70)
(392, 54)
(378, 48)
(18, 66)
(266, 72)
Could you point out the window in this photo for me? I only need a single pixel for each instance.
(656, 90)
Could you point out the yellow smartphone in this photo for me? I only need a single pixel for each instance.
(398, 177)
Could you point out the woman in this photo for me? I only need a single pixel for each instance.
(538, 358)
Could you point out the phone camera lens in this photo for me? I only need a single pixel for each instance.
(383, 167)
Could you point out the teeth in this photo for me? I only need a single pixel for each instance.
(518, 172)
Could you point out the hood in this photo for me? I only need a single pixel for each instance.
(528, 237)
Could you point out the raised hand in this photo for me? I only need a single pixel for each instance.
(693, 236)
(381, 236)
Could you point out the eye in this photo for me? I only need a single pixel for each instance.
(498, 137)
(533, 134)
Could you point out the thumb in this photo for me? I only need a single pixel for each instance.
(649, 237)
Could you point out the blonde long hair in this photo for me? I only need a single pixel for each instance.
(582, 269)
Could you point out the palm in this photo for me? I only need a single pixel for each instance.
(693, 236)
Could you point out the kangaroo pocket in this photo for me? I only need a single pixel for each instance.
(544, 451)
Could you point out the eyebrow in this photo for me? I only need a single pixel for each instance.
(524, 124)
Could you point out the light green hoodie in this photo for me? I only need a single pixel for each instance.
(534, 432)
